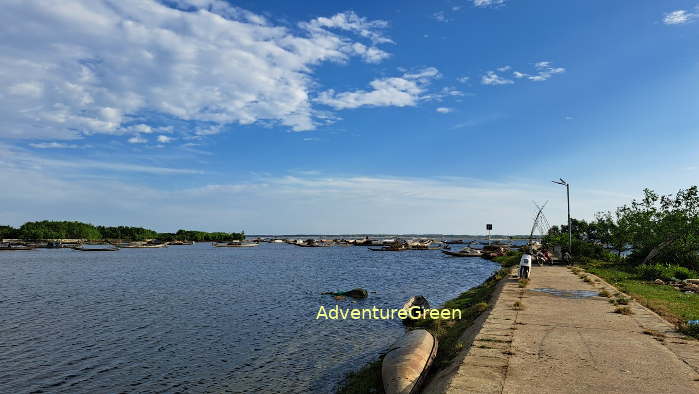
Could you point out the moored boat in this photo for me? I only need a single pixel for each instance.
(407, 362)
(11, 247)
(235, 244)
(137, 245)
(180, 243)
(84, 249)
(465, 252)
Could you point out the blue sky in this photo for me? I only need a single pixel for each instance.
(330, 117)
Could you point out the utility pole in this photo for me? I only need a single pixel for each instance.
(570, 228)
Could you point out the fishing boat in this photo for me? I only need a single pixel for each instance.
(407, 362)
(13, 247)
(465, 252)
(181, 243)
(235, 244)
(105, 249)
(139, 245)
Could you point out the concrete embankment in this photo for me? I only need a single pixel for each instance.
(565, 338)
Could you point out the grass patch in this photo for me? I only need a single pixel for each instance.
(587, 279)
(365, 380)
(518, 306)
(620, 301)
(673, 305)
(624, 310)
(604, 293)
(448, 332)
(523, 283)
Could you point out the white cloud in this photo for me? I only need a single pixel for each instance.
(402, 91)
(444, 110)
(294, 204)
(14, 158)
(211, 130)
(487, 3)
(53, 145)
(463, 79)
(504, 68)
(83, 67)
(440, 16)
(679, 17)
(544, 71)
(349, 21)
(163, 139)
(491, 78)
(137, 139)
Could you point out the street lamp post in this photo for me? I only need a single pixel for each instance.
(570, 228)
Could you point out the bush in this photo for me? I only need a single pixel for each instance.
(691, 330)
(683, 272)
(663, 271)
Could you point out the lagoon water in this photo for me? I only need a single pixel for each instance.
(204, 319)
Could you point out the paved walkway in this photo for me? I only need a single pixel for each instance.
(559, 344)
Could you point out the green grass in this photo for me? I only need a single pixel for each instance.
(668, 302)
(365, 380)
(448, 332)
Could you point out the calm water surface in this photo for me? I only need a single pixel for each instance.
(204, 319)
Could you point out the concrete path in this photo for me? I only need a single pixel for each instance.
(561, 344)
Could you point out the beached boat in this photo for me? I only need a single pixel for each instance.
(236, 244)
(415, 302)
(407, 362)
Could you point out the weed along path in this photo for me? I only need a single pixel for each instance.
(559, 333)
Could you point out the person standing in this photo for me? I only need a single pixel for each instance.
(525, 266)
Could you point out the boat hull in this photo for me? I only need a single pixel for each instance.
(459, 254)
(96, 249)
(235, 246)
(407, 362)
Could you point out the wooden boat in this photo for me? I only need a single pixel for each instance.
(181, 243)
(236, 244)
(415, 302)
(84, 249)
(389, 249)
(406, 364)
(13, 248)
(465, 252)
(142, 246)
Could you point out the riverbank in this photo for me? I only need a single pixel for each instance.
(559, 333)
(449, 333)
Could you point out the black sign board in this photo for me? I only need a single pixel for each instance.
(488, 227)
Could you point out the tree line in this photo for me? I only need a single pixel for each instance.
(656, 229)
(47, 229)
